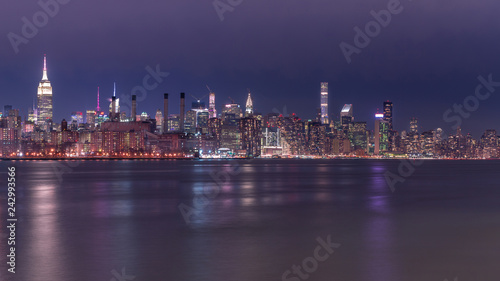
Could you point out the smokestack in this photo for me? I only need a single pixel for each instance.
(113, 108)
(134, 107)
(165, 113)
(181, 116)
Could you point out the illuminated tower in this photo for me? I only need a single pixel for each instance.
(249, 106)
(212, 112)
(114, 107)
(44, 101)
(378, 119)
(324, 103)
(211, 106)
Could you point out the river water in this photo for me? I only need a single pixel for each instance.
(225, 220)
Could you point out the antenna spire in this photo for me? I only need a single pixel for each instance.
(114, 90)
(98, 106)
(44, 76)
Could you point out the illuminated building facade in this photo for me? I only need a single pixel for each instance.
(316, 137)
(173, 123)
(381, 134)
(249, 106)
(324, 103)
(358, 135)
(414, 125)
(44, 101)
(346, 117)
(211, 106)
(292, 130)
(215, 129)
(250, 131)
(190, 122)
(91, 119)
(233, 109)
(159, 122)
(388, 114)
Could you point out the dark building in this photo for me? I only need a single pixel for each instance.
(250, 136)
(388, 114)
(64, 125)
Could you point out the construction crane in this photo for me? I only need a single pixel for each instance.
(198, 98)
(231, 99)
(210, 91)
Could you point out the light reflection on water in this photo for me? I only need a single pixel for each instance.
(111, 215)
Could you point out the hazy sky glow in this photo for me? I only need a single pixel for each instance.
(427, 59)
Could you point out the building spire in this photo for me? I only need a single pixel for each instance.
(44, 77)
(98, 106)
(249, 105)
(114, 90)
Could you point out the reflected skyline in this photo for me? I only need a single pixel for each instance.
(264, 219)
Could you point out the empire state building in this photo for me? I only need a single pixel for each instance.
(44, 101)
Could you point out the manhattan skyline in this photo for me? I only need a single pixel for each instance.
(424, 68)
(99, 98)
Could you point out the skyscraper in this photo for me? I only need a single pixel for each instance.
(250, 136)
(388, 114)
(44, 101)
(211, 106)
(414, 125)
(381, 134)
(114, 106)
(324, 103)
(346, 116)
(249, 106)
(91, 114)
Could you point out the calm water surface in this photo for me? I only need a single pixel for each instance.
(86, 220)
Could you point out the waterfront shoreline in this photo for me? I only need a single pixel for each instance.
(191, 158)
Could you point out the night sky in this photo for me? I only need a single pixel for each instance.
(427, 58)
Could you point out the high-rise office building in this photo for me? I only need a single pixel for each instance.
(324, 103)
(414, 125)
(114, 107)
(231, 111)
(159, 121)
(173, 123)
(250, 139)
(44, 101)
(202, 122)
(346, 116)
(91, 114)
(316, 138)
(190, 121)
(381, 134)
(388, 113)
(31, 114)
(358, 135)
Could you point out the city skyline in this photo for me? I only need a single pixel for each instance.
(236, 132)
(210, 97)
(216, 106)
(419, 66)
(250, 140)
